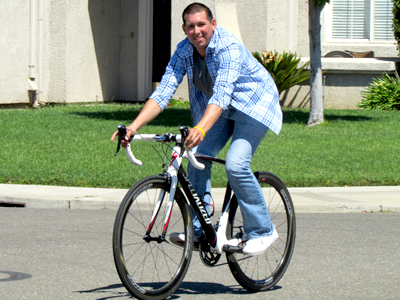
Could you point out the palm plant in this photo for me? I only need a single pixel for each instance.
(283, 68)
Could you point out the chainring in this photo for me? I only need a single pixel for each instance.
(208, 257)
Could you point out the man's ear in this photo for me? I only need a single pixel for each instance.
(214, 23)
(184, 28)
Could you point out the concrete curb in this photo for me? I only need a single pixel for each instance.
(311, 200)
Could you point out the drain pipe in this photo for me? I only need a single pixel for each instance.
(32, 41)
(31, 84)
(40, 49)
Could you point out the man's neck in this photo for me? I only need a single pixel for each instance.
(201, 52)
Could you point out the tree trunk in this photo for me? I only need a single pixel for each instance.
(316, 105)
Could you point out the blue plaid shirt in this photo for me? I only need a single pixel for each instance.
(239, 81)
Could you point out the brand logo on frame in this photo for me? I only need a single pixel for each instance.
(198, 201)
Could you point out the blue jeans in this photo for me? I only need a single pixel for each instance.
(246, 133)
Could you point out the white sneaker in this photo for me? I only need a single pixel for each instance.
(260, 245)
(178, 238)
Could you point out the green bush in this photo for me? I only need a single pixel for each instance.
(382, 94)
(283, 68)
(179, 102)
(396, 21)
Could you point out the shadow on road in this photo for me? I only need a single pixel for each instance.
(210, 288)
(13, 276)
(186, 288)
(109, 290)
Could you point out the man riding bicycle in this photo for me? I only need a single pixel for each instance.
(231, 96)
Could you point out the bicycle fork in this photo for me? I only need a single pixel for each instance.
(176, 161)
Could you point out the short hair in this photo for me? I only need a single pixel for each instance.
(194, 8)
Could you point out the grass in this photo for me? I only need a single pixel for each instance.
(70, 146)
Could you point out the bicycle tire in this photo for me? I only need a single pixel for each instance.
(262, 272)
(151, 269)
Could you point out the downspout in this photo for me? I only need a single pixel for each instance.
(31, 84)
(32, 41)
(40, 49)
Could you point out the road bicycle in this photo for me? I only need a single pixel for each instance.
(151, 266)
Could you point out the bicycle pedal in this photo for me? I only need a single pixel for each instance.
(234, 249)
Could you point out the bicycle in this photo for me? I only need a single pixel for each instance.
(150, 266)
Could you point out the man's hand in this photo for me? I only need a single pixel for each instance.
(194, 138)
(197, 135)
(150, 110)
(124, 142)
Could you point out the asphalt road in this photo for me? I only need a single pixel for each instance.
(66, 254)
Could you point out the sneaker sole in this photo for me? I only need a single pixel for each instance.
(260, 252)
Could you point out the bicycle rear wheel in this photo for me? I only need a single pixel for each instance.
(262, 272)
(148, 264)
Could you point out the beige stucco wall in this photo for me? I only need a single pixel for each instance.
(283, 26)
(253, 27)
(89, 50)
(93, 50)
(14, 64)
(71, 69)
(344, 79)
(82, 61)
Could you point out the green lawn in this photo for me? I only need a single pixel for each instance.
(70, 146)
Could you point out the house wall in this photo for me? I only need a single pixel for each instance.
(83, 53)
(14, 45)
(260, 28)
(344, 80)
(99, 50)
(89, 51)
(283, 26)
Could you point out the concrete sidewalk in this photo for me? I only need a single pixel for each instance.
(324, 199)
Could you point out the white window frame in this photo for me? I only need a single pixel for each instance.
(329, 22)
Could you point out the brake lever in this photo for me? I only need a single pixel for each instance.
(184, 133)
(121, 136)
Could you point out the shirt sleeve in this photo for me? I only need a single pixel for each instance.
(229, 63)
(170, 81)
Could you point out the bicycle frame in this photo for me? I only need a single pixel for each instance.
(176, 173)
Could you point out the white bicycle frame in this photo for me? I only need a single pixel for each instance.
(173, 168)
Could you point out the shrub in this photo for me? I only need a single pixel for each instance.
(382, 94)
(396, 21)
(283, 68)
(179, 102)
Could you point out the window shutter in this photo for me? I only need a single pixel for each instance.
(383, 19)
(351, 19)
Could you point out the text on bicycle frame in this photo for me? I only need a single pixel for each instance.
(198, 201)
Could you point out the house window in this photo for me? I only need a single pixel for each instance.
(362, 20)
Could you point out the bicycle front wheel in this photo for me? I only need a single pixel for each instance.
(262, 272)
(148, 264)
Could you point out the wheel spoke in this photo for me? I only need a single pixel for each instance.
(270, 266)
(148, 262)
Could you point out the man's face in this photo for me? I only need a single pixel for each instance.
(199, 30)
